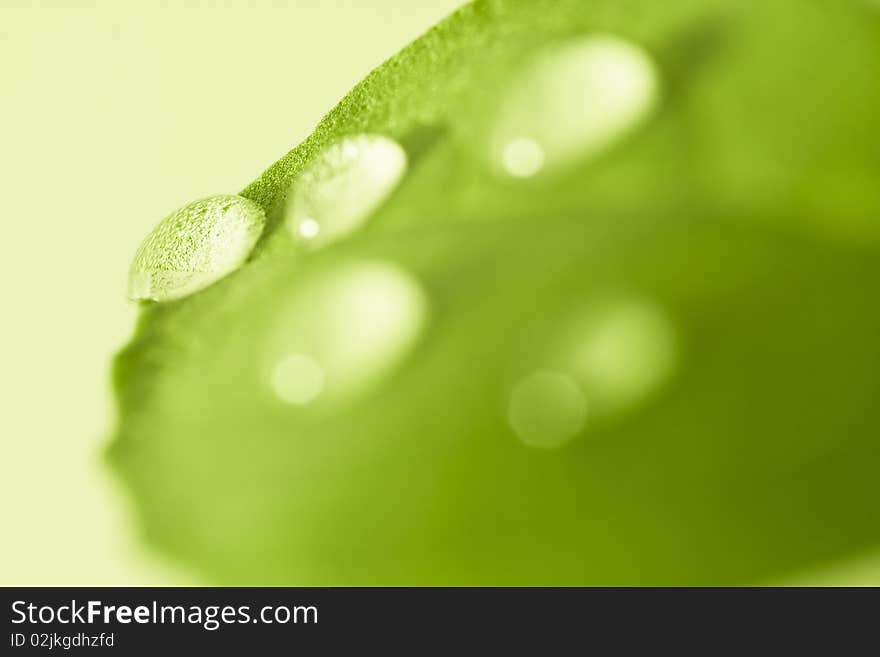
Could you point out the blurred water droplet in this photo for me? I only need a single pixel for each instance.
(297, 379)
(622, 353)
(195, 246)
(547, 409)
(572, 102)
(356, 322)
(342, 187)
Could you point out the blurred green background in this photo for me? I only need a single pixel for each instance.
(114, 113)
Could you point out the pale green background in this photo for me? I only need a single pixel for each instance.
(113, 114)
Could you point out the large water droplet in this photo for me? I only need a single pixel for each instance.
(342, 187)
(622, 352)
(353, 323)
(546, 409)
(195, 246)
(572, 102)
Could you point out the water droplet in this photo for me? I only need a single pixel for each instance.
(297, 379)
(194, 247)
(355, 322)
(574, 101)
(622, 353)
(342, 187)
(547, 409)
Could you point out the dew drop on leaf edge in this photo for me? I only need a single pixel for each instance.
(195, 246)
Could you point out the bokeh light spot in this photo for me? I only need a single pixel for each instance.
(297, 379)
(547, 409)
(624, 352)
(523, 157)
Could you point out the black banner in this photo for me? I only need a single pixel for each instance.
(320, 620)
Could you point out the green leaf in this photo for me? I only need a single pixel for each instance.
(635, 344)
